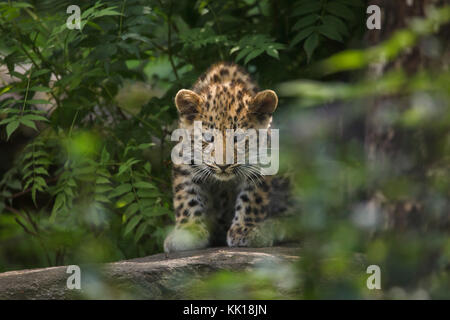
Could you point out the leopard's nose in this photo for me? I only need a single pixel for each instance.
(223, 167)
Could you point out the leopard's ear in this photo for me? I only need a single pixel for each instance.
(188, 102)
(264, 102)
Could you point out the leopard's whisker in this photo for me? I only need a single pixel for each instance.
(241, 173)
(254, 173)
(206, 173)
(237, 172)
(249, 175)
(200, 173)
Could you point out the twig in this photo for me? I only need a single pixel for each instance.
(216, 20)
(35, 234)
(25, 228)
(121, 17)
(15, 211)
(26, 92)
(169, 40)
(21, 193)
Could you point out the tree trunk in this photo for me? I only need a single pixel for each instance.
(388, 146)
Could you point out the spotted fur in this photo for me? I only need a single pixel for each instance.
(213, 202)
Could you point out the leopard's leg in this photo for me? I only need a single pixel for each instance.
(249, 227)
(190, 203)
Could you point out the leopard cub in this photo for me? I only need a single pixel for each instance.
(215, 202)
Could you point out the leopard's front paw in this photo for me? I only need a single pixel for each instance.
(239, 236)
(185, 239)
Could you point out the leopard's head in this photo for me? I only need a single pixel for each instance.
(220, 107)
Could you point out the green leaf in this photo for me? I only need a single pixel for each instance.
(11, 127)
(19, 75)
(243, 53)
(40, 161)
(102, 180)
(271, 51)
(306, 8)
(28, 123)
(7, 120)
(124, 188)
(103, 173)
(41, 170)
(15, 184)
(145, 193)
(40, 72)
(144, 185)
(103, 188)
(125, 200)
(27, 174)
(127, 165)
(302, 35)
(40, 89)
(59, 202)
(19, 4)
(157, 211)
(132, 224)
(33, 194)
(88, 170)
(144, 146)
(147, 167)
(311, 44)
(28, 183)
(146, 203)
(252, 55)
(105, 155)
(336, 23)
(305, 22)
(69, 192)
(71, 183)
(101, 198)
(132, 209)
(330, 32)
(5, 89)
(32, 101)
(352, 3)
(34, 117)
(8, 110)
(35, 101)
(140, 231)
(40, 181)
(340, 10)
(35, 154)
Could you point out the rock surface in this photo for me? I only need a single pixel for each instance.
(153, 277)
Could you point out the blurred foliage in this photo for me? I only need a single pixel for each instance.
(86, 117)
